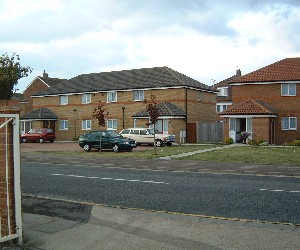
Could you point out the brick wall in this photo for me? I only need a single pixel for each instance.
(36, 86)
(7, 107)
(286, 106)
(203, 110)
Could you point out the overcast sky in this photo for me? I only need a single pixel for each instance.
(204, 39)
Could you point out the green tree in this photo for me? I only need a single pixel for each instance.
(10, 72)
(154, 113)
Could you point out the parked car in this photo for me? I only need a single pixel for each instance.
(109, 140)
(38, 135)
(146, 136)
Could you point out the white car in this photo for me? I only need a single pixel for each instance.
(146, 136)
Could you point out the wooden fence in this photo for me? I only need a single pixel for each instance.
(210, 132)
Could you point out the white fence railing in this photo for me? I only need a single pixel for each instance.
(13, 208)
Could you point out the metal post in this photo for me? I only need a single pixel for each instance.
(123, 111)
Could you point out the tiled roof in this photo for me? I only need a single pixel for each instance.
(51, 81)
(157, 77)
(225, 83)
(166, 109)
(17, 96)
(40, 114)
(285, 70)
(250, 107)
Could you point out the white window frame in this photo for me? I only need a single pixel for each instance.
(139, 95)
(86, 124)
(287, 88)
(112, 96)
(63, 100)
(86, 98)
(112, 124)
(288, 122)
(222, 91)
(222, 107)
(63, 124)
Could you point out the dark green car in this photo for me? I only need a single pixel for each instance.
(105, 139)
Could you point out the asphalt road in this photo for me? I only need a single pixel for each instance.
(263, 198)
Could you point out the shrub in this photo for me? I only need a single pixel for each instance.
(252, 142)
(295, 143)
(228, 141)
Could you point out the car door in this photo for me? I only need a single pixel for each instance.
(134, 135)
(94, 139)
(105, 141)
(145, 136)
(33, 134)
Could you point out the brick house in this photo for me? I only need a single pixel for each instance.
(224, 96)
(39, 84)
(266, 104)
(184, 101)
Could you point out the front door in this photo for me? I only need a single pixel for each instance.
(237, 126)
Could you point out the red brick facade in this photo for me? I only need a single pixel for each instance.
(198, 110)
(6, 155)
(286, 106)
(274, 93)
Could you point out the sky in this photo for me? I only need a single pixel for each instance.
(207, 40)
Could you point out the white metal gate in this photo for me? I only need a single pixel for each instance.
(13, 208)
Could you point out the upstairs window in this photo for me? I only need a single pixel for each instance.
(86, 98)
(288, 89)
(139, 95)
(223, 91)
(112, 96)
(63, 100)
(221, 108)
(289, 123)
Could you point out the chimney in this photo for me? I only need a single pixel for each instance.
(238, 72)
(45, 74)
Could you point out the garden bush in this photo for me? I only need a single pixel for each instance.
(228, 141)
(295, 142)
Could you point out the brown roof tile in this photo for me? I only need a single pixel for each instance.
(250, 107)
(285, 70)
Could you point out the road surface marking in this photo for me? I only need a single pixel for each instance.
(279, 190)
(107, 178)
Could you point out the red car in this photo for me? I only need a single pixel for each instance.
(38, 135)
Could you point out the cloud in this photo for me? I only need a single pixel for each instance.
(203, 39)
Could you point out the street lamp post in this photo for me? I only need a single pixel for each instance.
(75, 118)
(123, 112)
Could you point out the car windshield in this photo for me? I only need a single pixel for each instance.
(113, 133)
(35, 131)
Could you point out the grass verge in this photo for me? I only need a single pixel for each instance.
(252, 154)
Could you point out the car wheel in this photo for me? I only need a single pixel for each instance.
(41, 140)
(158, 143)
(87, 147)
(24, 140)
(51, 141)
(115, 148)
(129, 150)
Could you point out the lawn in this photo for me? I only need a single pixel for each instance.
(148, 153)
(252, 154)
(247, 154)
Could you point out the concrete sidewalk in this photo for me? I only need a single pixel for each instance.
(116, 228)
(200, 151)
